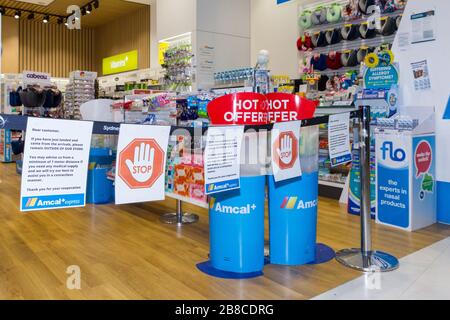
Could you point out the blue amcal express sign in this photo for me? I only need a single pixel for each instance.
(52, 202)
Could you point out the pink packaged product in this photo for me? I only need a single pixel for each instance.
(198, 159)
(187, 159)
(197, 192)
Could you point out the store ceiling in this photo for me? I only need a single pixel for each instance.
(109, 9)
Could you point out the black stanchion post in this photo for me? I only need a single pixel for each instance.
(179, 218)
(364, 258)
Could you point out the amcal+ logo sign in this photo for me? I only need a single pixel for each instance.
(220, 208)
(49, 203)
(291, 203)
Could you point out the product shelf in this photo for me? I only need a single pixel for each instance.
(328, 26)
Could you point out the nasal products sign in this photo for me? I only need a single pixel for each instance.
(127, 61)
(141, 159)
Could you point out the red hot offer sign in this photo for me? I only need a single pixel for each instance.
(284, 107)
(239, 108)
(258, 109)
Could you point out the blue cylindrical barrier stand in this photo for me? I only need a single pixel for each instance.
(236, 221)
(293, 219)
(293, 206)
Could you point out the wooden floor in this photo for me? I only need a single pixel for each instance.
(125, 253)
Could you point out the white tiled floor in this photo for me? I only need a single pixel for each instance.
(424, 274)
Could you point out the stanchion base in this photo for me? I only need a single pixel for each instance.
(207, 268)
(324, 254)
(372, 261)
(172, 218)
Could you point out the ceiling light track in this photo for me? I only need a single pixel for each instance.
(46, 17)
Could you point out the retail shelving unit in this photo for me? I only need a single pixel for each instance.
(8, 83)
(80, 89)
(344, 45)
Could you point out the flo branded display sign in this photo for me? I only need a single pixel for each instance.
(55, 164)
(406, 179)
(127, 61)
(141, 163)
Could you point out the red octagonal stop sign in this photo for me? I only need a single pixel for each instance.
(285, 150)
(141, 163)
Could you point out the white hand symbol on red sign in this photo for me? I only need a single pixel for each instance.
(141, 168)
(285, 150)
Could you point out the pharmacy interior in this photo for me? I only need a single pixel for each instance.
(274, 157)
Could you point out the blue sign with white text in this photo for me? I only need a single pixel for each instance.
(53, 202)
(393, 182)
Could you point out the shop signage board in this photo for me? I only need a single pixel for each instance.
(163, 46)
(124, 62)
(339, 139)
(285, 150)
(32, 78)
(55, 164)
(222, 159)
(141, 163)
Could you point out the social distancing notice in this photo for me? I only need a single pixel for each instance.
(55, 164)
(222, 158)
(339, 139)
(285, 150)
(141, 163)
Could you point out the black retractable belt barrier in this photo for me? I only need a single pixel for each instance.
(364, 258)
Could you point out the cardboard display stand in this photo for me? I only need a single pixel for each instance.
(406, 173)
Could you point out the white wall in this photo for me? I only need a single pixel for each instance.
(225, 26)
(175, 17)
(230, 17)
(436, 54)
(274, 28)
